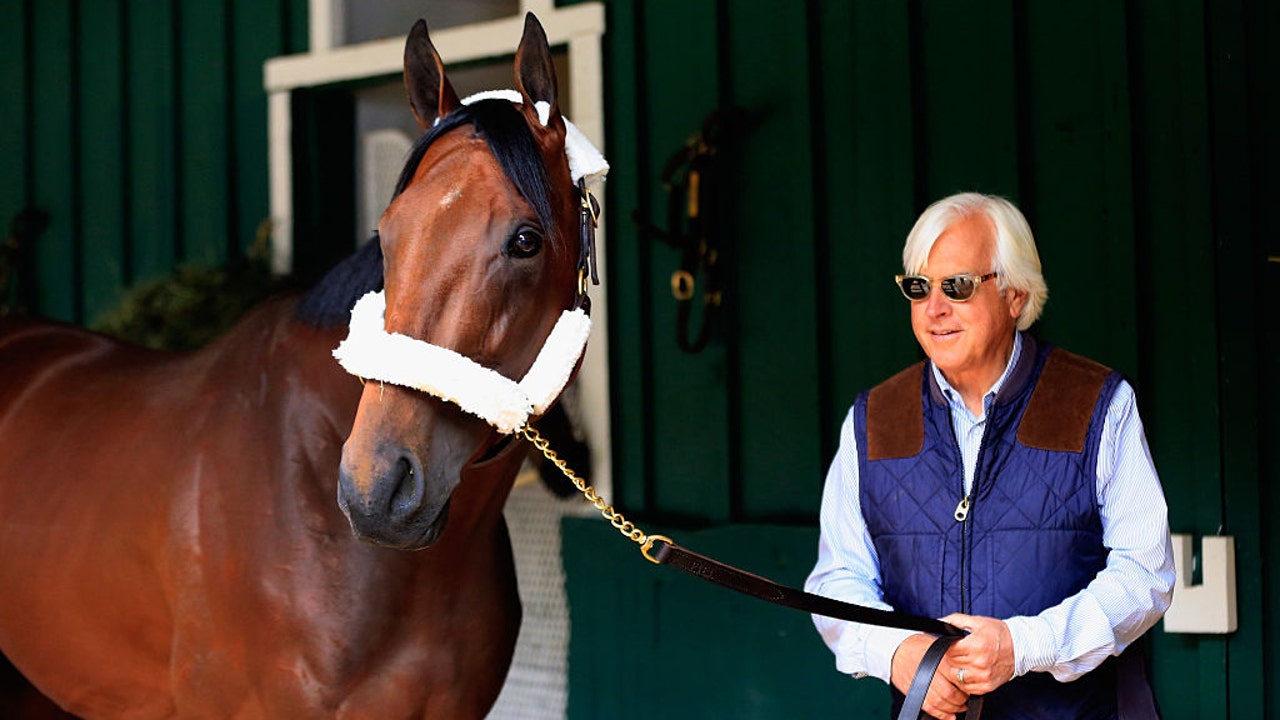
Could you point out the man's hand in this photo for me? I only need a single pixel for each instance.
(945, 698)
(984, 658)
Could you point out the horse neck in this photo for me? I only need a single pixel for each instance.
(299, 406)
(318, 401)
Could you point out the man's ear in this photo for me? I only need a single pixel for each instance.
(1017, 299)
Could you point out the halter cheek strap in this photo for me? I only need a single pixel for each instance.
(372, 353)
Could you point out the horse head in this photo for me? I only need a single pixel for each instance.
(484, 267)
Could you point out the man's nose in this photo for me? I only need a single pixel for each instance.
(936, 303)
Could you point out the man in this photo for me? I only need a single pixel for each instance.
(1003, 486)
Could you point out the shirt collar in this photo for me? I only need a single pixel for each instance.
(953, 396)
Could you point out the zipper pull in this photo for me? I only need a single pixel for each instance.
(962, 510)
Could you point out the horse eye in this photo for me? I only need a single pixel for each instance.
(524, 244)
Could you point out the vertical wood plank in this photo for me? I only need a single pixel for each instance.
(691, 463)
(1077, 182)
(966, 101)
(1178, 363)
(630, 336)
(1241, 318)
(152, 139)
(101, 128)
(1261, 22)
(52, 138)
(257, 33)
(774, 305)
(869, 196)
(14, 148)
(201, 54)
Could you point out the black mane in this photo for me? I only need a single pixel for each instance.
(511, 142)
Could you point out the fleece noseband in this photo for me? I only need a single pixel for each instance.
(372, 353)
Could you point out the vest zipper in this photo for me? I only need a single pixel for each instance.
(963, 512)
(962, 517)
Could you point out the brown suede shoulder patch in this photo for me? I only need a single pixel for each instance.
(1058, 414)
(895, 416)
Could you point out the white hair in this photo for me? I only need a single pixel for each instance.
(1016, 260)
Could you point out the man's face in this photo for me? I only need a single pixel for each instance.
(970, 341)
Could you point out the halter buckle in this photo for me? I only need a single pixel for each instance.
(590, 205)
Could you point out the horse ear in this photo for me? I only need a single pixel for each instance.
(431, 96)
(536, 73)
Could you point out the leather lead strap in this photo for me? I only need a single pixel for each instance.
(762, 588)
(912, 706)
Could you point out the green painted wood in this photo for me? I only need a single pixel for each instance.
(143, 156)
(53, 157)
(775, 305)
(14, 149)
(1178, 396)
(152, 140)
(689, 391)
(630, 304)
(204, 175)
(257, 33)
(1262, 56)
(866, 198)
(653, 641)
(1077, 183)
(1239, 345)
(101, 128)
(296, 26)
(966, 111)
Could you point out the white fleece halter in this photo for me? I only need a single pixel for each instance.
(372, 353)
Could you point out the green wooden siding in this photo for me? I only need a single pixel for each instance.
(140, 128)
(1137, 138)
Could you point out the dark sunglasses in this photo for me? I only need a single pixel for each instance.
(957, 288)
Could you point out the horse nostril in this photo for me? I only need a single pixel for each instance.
(409, 486)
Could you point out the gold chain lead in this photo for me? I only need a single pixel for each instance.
(623, 525)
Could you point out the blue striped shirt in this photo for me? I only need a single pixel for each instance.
(1069, 639)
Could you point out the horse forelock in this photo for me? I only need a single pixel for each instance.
(508, 137)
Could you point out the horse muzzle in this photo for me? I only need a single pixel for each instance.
(392, 501)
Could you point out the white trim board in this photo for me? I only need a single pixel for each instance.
(456, 44)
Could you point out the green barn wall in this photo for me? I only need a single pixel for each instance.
(139, 127)
(1136, 138)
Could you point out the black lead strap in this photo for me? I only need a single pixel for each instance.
(701, 566)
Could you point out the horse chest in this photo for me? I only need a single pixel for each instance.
(339, 628)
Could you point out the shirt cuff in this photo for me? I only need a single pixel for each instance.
(1034, 645)
(877, 653)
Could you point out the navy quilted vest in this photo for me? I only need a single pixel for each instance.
(1032, 535)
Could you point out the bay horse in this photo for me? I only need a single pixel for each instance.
(170, 540)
